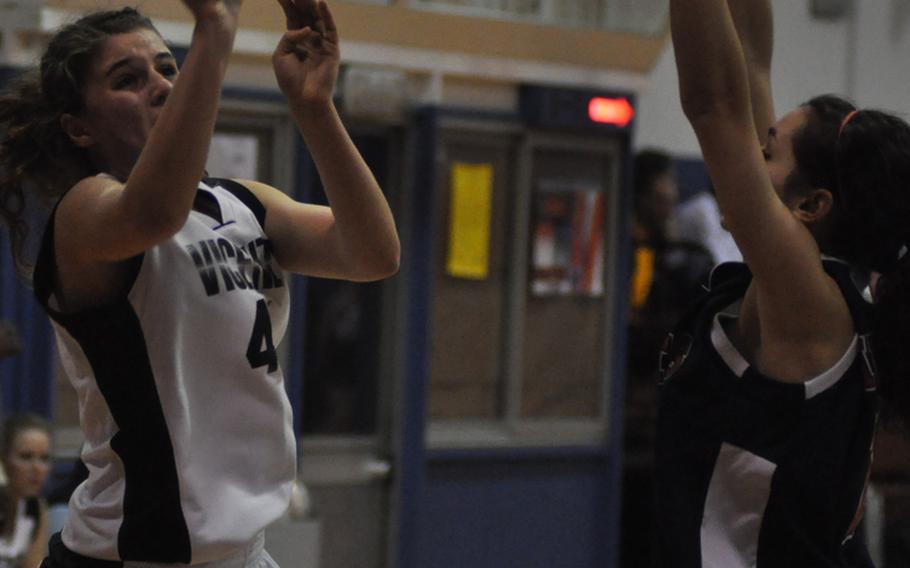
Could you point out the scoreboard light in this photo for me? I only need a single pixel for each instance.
(593, 110)
(617, 112)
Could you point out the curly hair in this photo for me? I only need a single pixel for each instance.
(36, 156)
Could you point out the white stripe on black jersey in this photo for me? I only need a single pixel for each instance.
(753, 472)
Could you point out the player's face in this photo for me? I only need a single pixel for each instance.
(124, 93)
(778, 151)
(28, 462)
(663, 200)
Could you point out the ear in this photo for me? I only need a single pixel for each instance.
(813, 206)
(76, 130)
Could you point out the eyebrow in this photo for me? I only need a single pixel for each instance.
(162, 56)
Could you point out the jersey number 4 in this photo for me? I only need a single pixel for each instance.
(261, 350)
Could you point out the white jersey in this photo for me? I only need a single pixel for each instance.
(14, 546)
(188, 433)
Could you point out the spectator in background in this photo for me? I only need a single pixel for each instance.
(656, 196)
(667, 272)
(25, 455)
(699, 222)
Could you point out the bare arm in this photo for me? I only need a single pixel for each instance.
(309, 239)
(797, 303)
(355, 238)
(754, 22)
(104, 221)
(714, 91)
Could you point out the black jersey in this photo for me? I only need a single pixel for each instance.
(753, 472)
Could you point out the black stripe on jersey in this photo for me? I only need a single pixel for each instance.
(207, 204)
(154, 528)
(59, 556)
(33, 511)
(45, 273)
(44, 277)
(242, 193)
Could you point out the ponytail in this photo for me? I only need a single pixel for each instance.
(890, 333)
(863, 158)
(35, 157)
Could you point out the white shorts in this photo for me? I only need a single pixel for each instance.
(253, 556)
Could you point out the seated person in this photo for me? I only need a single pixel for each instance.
(25, 454)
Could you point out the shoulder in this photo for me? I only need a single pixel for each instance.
(854, 285)
(248, 192)
(264, 193)
(87, 189)
(80, 203)
(280, 213)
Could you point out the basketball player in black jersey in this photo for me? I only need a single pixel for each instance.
(768, 397)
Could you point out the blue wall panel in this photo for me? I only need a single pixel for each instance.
(692, 176)
(539, 513)
(25, 380)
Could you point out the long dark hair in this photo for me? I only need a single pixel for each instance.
(36, 156)
(863, 158)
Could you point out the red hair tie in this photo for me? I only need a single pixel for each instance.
(847, 119)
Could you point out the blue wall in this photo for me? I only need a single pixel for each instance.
(533, 511)
(692, 176)
(25, 380)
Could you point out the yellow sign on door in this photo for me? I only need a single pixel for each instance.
(469, 220)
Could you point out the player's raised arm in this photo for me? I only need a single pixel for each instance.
(150, 131)
(754, 22)
(774, 224)
(356, 238)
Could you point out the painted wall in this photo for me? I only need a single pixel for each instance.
(398, 25)
(865, 57)
(531, 512)
(882, 62)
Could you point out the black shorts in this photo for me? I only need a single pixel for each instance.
(59, 556)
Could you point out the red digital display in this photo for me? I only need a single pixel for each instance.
(618, 112)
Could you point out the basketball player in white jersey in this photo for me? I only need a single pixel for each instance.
(167, 290)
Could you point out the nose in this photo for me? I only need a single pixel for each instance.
(160, 89)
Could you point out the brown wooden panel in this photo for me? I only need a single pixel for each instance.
(563, 355)
(562, 358)
(466, 342)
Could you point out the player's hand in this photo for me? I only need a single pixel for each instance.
(205, 9)
(307, 57)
